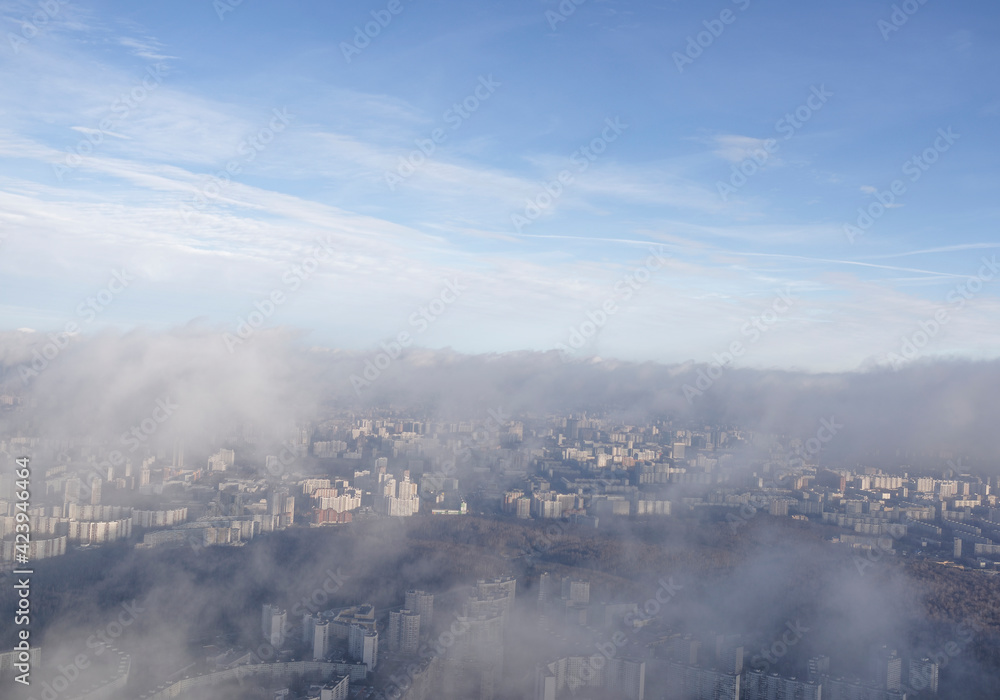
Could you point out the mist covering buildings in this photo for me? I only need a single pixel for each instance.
(553, 350)
(230, 471)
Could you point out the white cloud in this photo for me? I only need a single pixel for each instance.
(736, 149)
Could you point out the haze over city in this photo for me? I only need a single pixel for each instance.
(538, 350)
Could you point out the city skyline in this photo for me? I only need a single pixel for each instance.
(577, 479)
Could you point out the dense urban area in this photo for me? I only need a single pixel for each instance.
(554, 474)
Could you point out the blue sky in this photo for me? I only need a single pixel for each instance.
(148, 197)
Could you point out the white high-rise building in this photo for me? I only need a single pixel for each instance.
(279, 627)
(404, 631)
(221, 460)
(396, 499)
(421, 603)
(308, 626)
(546, 588)
(72, 491)
(575, 590)
(265, 620)
(473, 668)
(499, 590)
(923, 675)
(321, 640)
(274, 624)
(362, 645)
(887, 668)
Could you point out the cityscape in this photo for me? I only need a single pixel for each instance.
(550, 474)
(503, 350)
